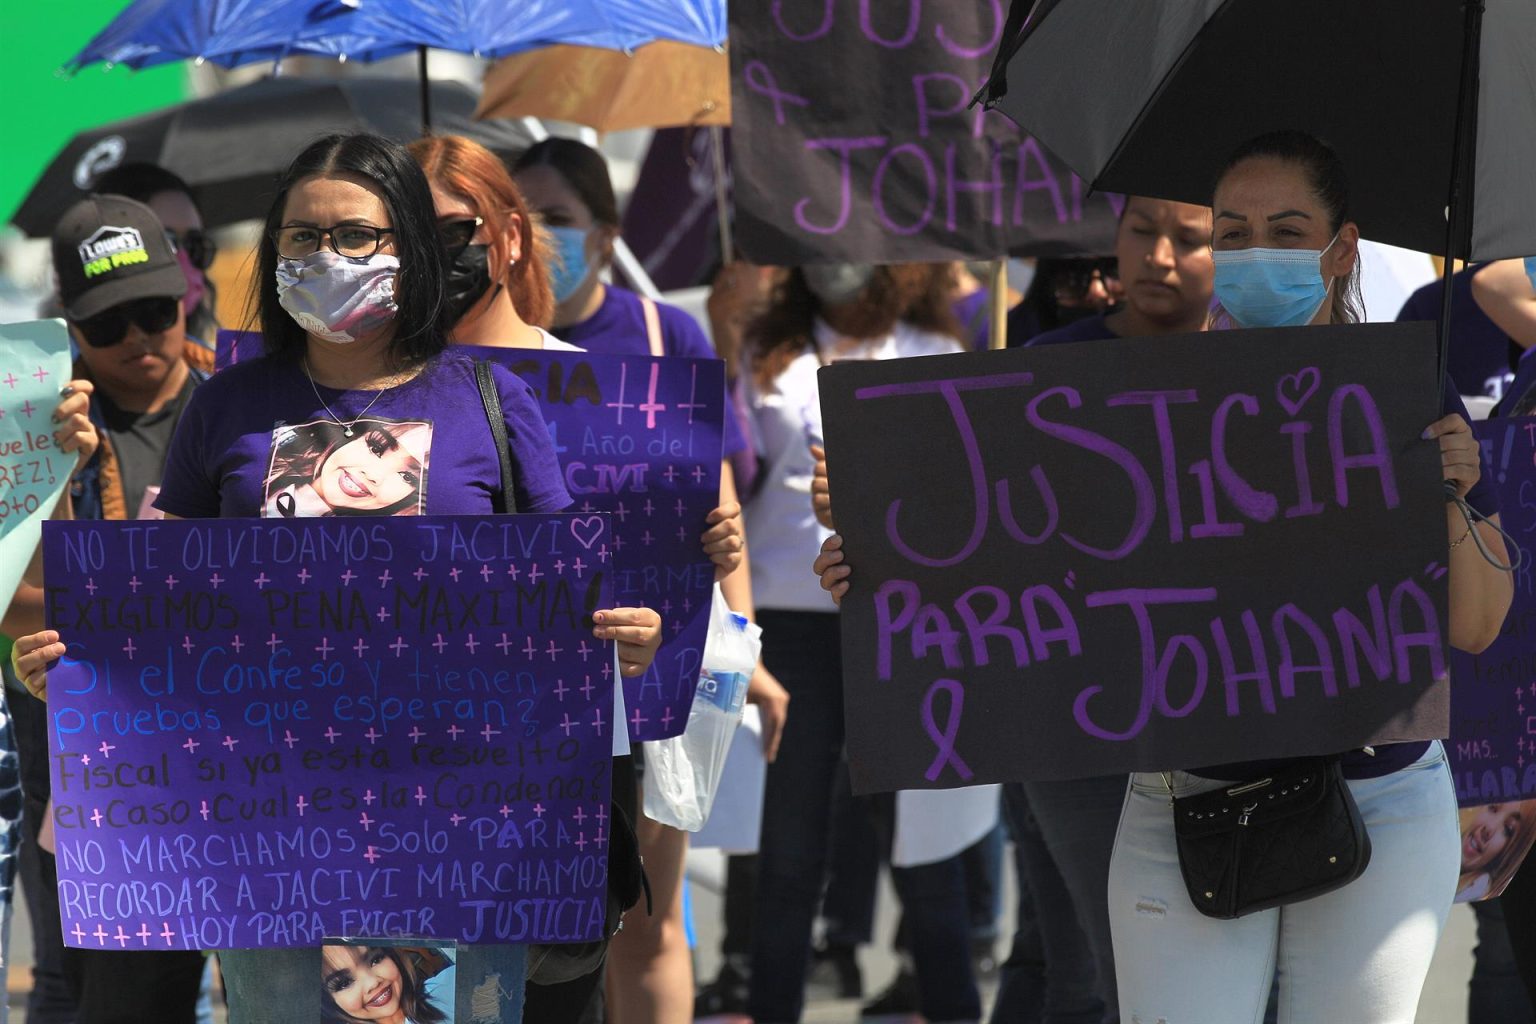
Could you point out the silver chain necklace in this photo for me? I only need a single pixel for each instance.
(346, 428)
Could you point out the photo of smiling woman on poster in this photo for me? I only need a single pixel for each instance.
(374, 467)
(384, 984)
(1495, 838)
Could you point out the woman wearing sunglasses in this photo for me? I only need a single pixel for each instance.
(498, 269)
(172, 201)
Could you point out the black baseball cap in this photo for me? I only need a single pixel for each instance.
(108, 250)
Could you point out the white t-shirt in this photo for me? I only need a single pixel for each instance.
(782, 533)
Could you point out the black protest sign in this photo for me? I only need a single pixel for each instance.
(1141, 554)
(853, 141)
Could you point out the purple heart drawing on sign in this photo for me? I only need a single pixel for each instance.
(1295, 389)
(587, 531)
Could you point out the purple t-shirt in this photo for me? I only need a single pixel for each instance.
(975, 316)
(255, 441)
(1092, 328)
(618, 328)
(1481, 354)
(1357, 763)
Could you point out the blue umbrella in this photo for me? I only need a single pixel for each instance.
(235, 32)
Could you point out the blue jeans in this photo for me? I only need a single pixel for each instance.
(1357, 954)
(801, 649)
(281, 986)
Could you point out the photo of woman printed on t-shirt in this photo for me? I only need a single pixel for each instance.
(317, 470)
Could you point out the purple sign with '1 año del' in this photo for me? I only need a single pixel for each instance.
(640, 437)
(265, 732)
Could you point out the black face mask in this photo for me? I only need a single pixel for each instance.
(469, 278)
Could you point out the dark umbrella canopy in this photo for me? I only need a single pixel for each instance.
(1150, 98)
(231, 147)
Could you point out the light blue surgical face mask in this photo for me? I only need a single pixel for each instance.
(1530, 270)
(570, 267)
(1271, 287)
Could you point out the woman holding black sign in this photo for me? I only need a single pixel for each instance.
(1285, 255)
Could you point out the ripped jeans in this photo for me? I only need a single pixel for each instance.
(1358, 954)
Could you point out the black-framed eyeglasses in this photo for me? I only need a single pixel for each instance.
(457, 234)
(196, 243)
(110, 327)
(354, 241)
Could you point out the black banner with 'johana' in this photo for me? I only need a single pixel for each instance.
(1145, 554)
(853, 140)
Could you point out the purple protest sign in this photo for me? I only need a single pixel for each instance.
(640, 437)
(268, 732)
(854, 140)
(1493, 694)
(1138, 555)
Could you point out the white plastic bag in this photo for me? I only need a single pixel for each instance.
(683, 773)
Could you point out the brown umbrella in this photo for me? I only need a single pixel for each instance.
(659, 85)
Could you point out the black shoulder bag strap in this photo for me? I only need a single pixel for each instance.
(506, 500)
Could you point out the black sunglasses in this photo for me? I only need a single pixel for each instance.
(200, 248)
(457, 234)
(110, 327)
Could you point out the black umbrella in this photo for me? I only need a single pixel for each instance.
(1431, 104)
(230, 147)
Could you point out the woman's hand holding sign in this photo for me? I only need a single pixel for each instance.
(635, 631)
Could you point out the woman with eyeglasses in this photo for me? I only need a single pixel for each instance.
(173, 202)
(351, 297)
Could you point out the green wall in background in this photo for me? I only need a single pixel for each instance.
(43, 110)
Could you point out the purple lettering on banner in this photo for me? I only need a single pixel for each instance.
(759, 79)
(867, 173)
(989, 44)
(968, 445)
(960, 94)
(658, 474)
(1379, 458)
(1250, 501)
(1154, 664)
(944, 739)
(1159, 401)
(825, 26)
(1143, 496)
(351, 775)
(908, 34)
(844, 148)
(931, 190)
(993, 187)
(1030, 151)
(1231, 677)
(1013, 544)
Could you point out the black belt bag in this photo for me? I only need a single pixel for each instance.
(1282, 839)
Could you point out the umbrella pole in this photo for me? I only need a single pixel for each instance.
(722, 208)
(1463, 161)
(997, 299)
(426, 90)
